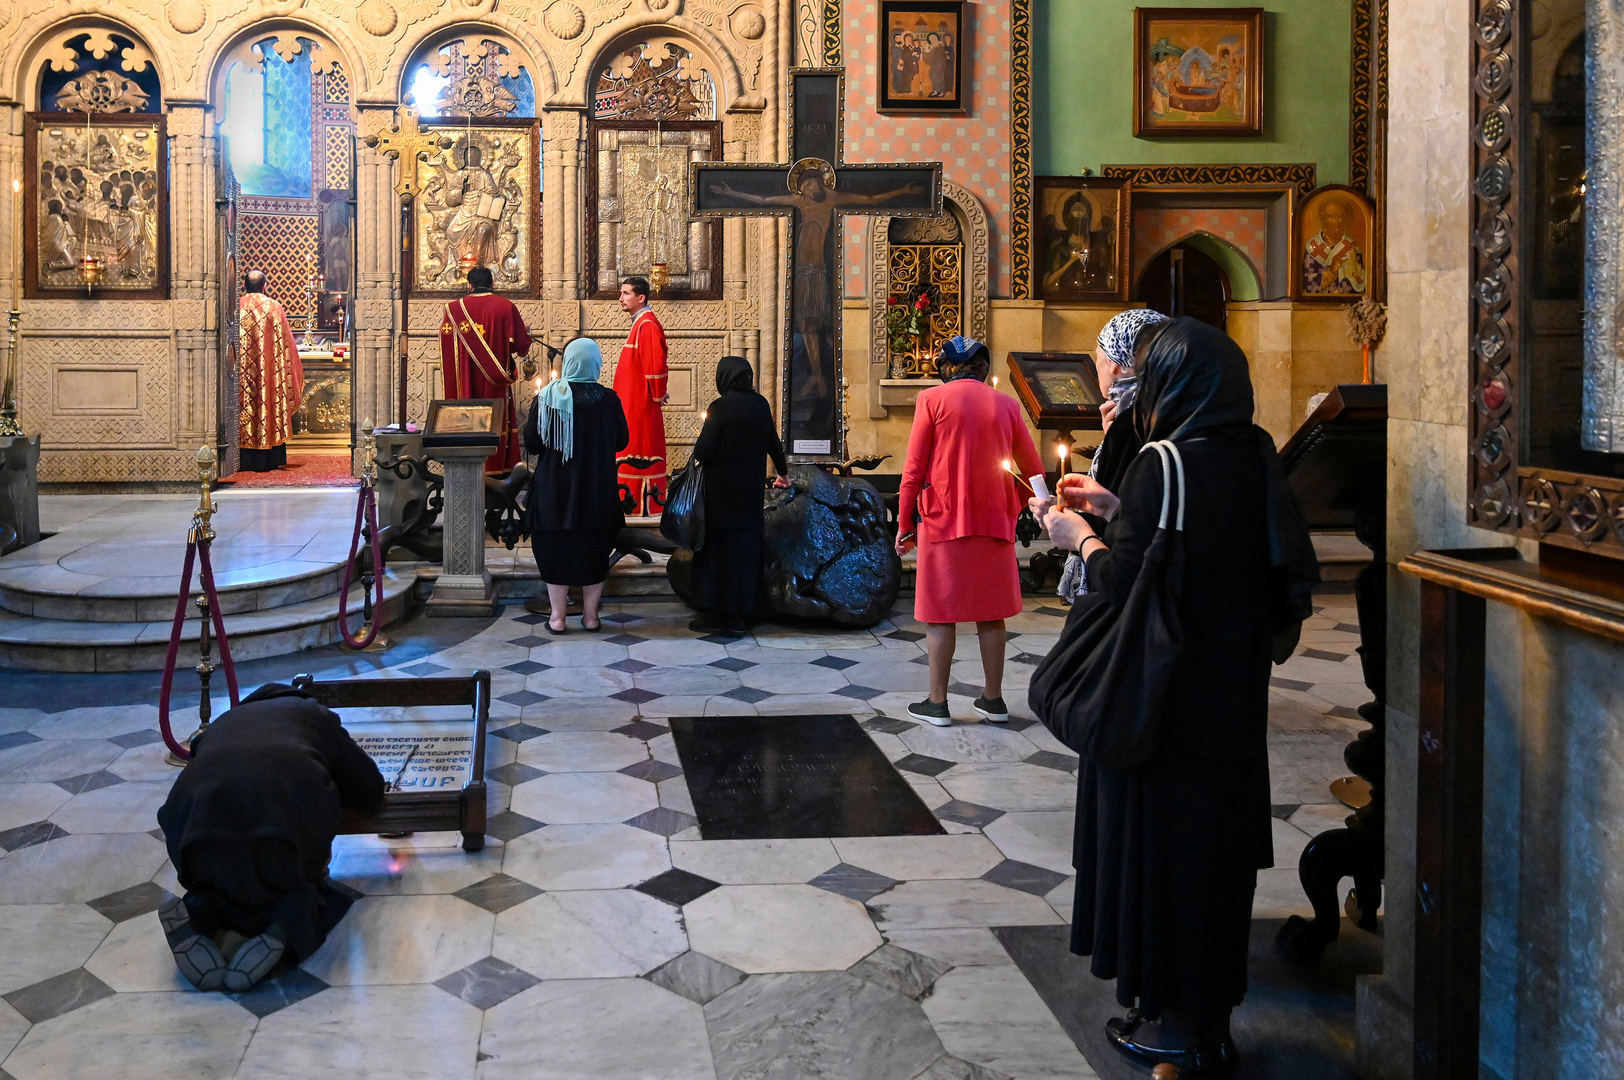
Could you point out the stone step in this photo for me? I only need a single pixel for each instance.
(241, 591)
(36, 644)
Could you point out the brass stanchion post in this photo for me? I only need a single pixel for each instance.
(202, 532)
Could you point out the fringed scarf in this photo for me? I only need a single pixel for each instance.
(555, 420)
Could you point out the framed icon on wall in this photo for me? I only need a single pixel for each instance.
(1197, 71)
(922, 48)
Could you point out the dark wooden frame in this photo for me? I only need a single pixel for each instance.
(419, 811)
(497, 407)
(1576, 511)
(1143, 127)
(1123, 239)
(1375, 247)
(885, 105)
(717, 255)
(409, 251)
(31, 125)
(1036, 400)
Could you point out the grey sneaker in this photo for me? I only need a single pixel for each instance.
(992, 710)
(197, 957)
(931, 712)
(254, 959)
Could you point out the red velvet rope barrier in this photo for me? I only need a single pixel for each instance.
(197, 548)
(366, 507)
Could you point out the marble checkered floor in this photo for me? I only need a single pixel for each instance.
(597, 936)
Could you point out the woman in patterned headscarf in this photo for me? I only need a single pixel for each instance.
(959, 503)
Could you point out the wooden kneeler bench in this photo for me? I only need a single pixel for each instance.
(440, 799)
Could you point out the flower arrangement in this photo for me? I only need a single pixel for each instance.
(905, 323)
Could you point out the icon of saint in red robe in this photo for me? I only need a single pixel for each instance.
(480, 337)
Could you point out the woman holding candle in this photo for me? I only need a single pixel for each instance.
(576, 428)
(958, 503)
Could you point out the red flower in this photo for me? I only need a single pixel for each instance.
(922, 303)
(892, 301)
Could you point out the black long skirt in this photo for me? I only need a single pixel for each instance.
(574, 556)
(1166, 862)
(726, 572)
(263, 460)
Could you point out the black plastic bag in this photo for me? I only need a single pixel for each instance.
(1101, 688)
(683, 520)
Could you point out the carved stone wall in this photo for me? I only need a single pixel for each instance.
(167, 354)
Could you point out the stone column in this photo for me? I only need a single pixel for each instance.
(194, 272)
(464, 586)
(563, 163)
(377, 284)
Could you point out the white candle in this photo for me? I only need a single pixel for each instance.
(17, 245)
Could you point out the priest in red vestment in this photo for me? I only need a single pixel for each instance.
(640, 380)
(272, 378)
(480, 335)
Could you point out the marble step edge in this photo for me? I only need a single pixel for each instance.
(236, 598)
(66, 646)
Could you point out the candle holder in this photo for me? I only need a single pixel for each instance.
(313, 287)
(90, 271)
(659, 276)
(9, 424)
(468, 261)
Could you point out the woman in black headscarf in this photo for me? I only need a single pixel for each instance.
(738, 437)
(1167, 855)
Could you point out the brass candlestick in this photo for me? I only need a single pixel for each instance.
(8, 393)
(202, 532)
(369, 576)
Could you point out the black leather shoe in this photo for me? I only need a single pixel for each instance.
(1191, 1061)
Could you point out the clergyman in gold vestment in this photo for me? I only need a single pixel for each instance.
(272, 377)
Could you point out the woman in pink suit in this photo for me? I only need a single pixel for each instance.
(959, 505)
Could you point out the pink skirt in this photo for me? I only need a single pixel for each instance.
(971, 579)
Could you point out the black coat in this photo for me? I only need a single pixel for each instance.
(738, 437)
(277, 767)
(583, 492)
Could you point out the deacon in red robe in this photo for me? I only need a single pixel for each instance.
(640, 380)
(480, 335)
(272, 378)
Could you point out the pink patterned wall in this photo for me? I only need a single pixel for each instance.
(974, 150)
(1156, 227)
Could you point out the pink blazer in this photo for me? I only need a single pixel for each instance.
(954, 478)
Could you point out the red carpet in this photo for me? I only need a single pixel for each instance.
(305, 468)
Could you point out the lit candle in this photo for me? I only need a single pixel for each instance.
(704, 414)
(995, 382)
(1009, 467)
(1062, 451)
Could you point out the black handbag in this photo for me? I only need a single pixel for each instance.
(1101, 689)
(683, 520)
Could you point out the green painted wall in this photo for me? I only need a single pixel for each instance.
(1083, 94)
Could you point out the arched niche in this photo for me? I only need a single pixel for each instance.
(1245, 282)
(704, 47)
(80, 47)
(282, 104)
(473, 72)
(962, 215)
(96, 69)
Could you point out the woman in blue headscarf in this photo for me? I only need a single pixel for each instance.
(576, 428)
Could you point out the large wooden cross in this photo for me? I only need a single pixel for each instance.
(408, 144)
(817, 189)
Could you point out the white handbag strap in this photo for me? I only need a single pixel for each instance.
(1166, 449)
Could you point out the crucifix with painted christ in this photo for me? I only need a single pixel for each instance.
(817, 189)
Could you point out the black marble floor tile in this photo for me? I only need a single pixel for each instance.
(425, 669)
(641, 729)
(131, 739)
(1051, 760)
(625, 639)
(834, 663)
(696, 977)
(1026, 658)
(498, 892)
(1325, 654)
(890, 725)
(1290, 684)
(58, 995)
(901, 971)
(1011, 635)
(852, 882)
(630, 666)
(347, 890)
(17, 738)
(622, 618)
(1057, 612)
(522, 698)
(636, 695)
(277, 993)
(676, 887)
(129, 903)
(1024, 876)
(509, 824)
(922, 660)
(747, 694)
(923, 764)
(514, 773)
(22, 836)
(1284, 810)
(755, 778)
(1344, 712)
(78, 785)
(721, 637)
(859, 693)
(1347, 628)
(732, 663)
(530, 641)
(158, 835)
(486, 983)
(1019, 723)
(906, 635)
(956, 687)
(520, 732)
(968, 813)
(530, 619)
(527, 667)
(653, 770)
(663, 821)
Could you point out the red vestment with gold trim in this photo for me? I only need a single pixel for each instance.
(479, 337)
(640, 380)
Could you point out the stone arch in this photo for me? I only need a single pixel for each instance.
(507, 31)
(1245, 283)
(963, 204)
(239, 49)
(1564, 28)
(46, 38)
(704, 42)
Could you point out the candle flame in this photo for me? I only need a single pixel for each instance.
(16, 185)
(995, 382)
(1062, 450)
(1008, 466)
